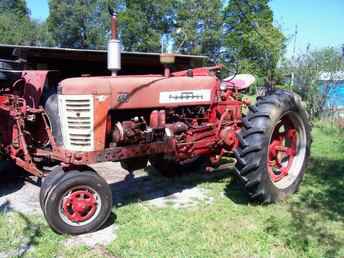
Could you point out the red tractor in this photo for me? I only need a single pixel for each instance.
(173, 121)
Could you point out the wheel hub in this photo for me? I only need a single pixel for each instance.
(80, 206)
(282, 149)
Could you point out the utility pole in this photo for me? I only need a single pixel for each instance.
(293, 59)
(295, 38)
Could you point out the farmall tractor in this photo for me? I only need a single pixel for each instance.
(174, 121)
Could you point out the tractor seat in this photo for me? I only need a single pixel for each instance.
(240, 81)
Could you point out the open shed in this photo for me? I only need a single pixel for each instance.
(77, 62)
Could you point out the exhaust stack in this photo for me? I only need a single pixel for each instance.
(114, 47)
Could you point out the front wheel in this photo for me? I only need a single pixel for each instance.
(79, 202)
(274, 147)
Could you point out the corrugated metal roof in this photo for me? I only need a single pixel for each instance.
(336, 76)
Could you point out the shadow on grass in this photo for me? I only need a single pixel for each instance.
(319, 204)
(12, 178)
(326, 192)
(154, 186)
(10, 185)
(236, 192)
(28, 236)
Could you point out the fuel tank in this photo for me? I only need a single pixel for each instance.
(135, 92)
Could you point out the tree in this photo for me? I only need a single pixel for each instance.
(145, 23)
(77, 23)
(42, 37)
(308, 69)
(243, 27)
(14, 30)
(17, 28)
(202, 26)
(250, 34)
(17, 7)
(86, 23)
(15, 24)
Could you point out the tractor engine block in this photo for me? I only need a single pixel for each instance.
(189, 128)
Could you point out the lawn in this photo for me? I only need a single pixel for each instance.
(309, 224)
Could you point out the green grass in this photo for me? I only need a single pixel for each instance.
(309, 224)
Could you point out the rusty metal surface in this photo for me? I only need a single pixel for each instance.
(123, 153)
(141, 91)
(33, 88)
(208, 134)
(114, 30)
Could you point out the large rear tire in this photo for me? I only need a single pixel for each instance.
(274, 147)
(79, 202)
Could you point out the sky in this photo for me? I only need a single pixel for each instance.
(320, 22)
(39, 8)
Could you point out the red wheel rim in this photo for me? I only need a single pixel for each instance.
(282, 149)
(80, 205)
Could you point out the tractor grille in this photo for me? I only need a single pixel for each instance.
(77, 122)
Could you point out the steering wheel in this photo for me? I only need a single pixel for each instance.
(231, 67)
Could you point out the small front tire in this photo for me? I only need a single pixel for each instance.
(48, 182)
(78, 203)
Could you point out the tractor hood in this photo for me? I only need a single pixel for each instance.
(129, 92)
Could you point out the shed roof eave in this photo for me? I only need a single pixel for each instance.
(95, 51)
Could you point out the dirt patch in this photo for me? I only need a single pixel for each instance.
(21, 195)
(184, 199)
(102, 237)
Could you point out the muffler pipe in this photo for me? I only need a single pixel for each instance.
(114, 46)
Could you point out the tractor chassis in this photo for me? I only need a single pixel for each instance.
(16, 109)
